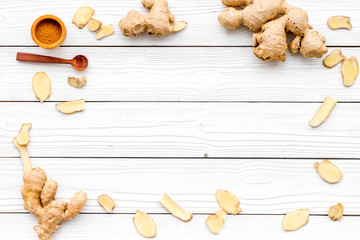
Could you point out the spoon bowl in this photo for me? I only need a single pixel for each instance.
(80, 62)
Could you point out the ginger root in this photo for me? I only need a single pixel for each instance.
(295, 219)
(270, 42)
(333, 58)
(336, 212)
(216, 222)
(338, 22)
(323, 112)
(228, 202)
(39, 198)
(156, 22)
(71, 106)
(42, 86)
(107, 203)
(144, 224)
(82, 16)
(328, 171)
(175, 209)
(23, 137)
(349, 71)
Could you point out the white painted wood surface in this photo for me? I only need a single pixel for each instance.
(147, 129)
(178, 74)
(155, 107)
(264, 186)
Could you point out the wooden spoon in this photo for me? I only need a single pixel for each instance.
(79, 62)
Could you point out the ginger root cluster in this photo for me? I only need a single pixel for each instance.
(273, 18)
(157, 22)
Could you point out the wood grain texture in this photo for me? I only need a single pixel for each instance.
(112, 226)
(203, 27)
(177, 74)
(183, 130)
(264, 186)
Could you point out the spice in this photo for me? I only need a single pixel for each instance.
(48, 31)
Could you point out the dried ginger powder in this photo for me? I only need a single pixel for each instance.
(48, 31)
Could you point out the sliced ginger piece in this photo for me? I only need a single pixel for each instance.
(71, 106)
(336, 212)
(77, 82)
(175, 209)
(333, 58)
(323, 112)
(228, 202)
(41, 85)
(144, 224)
(24, 155)
(107, 203)
(178, 26)
(82, 16)
(216, 222)
(295, 219)
(328, 171)
(338, 22)
(349, 71)
(23, 137)
(221, 213)
(105, 31)
(94, 25)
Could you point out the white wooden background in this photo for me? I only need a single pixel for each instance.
(157, 105)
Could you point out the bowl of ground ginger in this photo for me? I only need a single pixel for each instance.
(48, 31)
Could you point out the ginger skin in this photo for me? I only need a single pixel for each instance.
(270, 42)
(39, 199)
(157, 22)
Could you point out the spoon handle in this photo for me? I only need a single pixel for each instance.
(29, 57)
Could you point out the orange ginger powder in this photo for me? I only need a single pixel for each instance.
(48, 31)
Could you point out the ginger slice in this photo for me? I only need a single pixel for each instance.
(336, 212)
(41, 85)
(328, 171)
(23, 137)
(105, 31)
(221, 213)
(175, 209)
(216, 222)
(82, 16)
(94, 25)
(323, 112)
(77, 82)
(295, 219)
(71, 106)
(24, 155)
(338, 22)
(228, 202)
(349, 71)
(333, 58)
(178, 26)
(144, 224)
(107, 203)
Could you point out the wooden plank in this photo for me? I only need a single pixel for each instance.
(264, 186)
(112, 226)
(177, 74)
(201, 15)
(183, 130)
